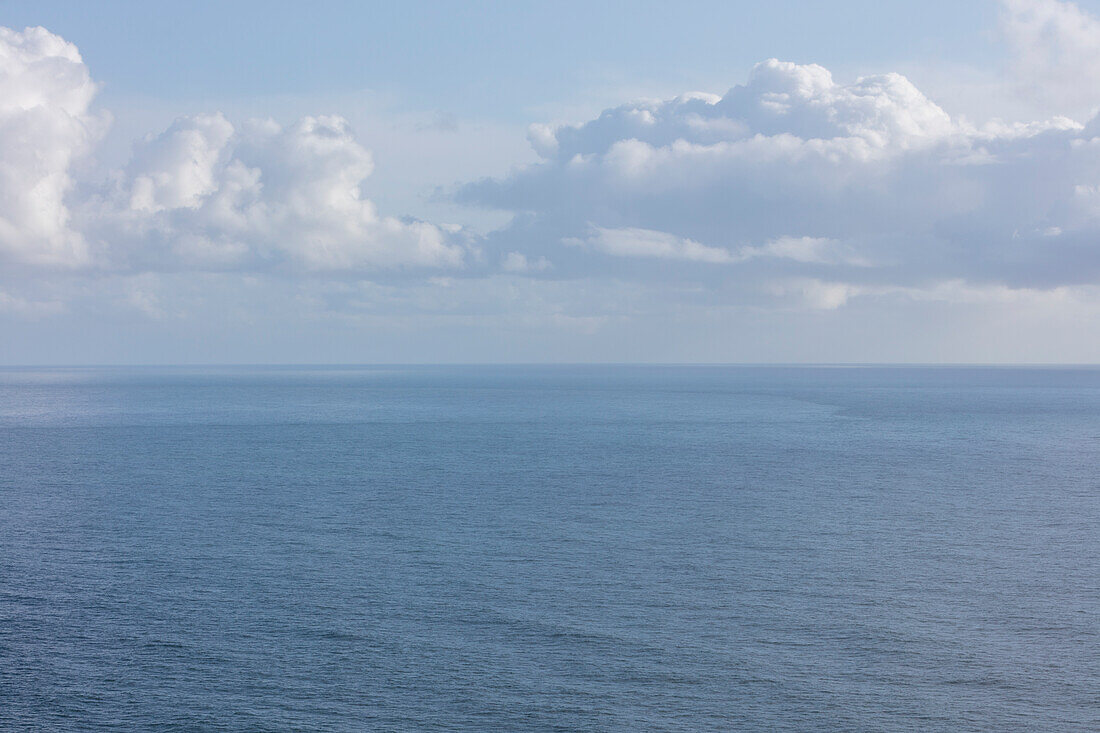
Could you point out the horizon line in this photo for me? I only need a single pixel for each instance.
(743, 364)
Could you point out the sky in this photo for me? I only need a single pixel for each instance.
(349, 182)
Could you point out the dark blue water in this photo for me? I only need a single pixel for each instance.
(558, 548)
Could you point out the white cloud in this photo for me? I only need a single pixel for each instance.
(819, 250)
(875, 114)
(178, 169)
(826, 295)
(815, 294)
(634, 242)
(519, 263)
(1055, 52)
(205, 194)
(17, 305)
(794, 191)
(45, 123)
(647, 243)
(793, 172)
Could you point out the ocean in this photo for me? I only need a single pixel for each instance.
(550, 548)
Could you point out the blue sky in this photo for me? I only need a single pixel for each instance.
(496, 59)
(483, 182)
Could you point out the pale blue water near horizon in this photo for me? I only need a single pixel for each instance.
(550, 548)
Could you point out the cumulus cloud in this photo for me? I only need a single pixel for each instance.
(204, 194)
(790, 148)
(46, 122)
(872, 115)
(796, 175)
(1055, 52)
(179, 168)
(794, 186)
(208, 195)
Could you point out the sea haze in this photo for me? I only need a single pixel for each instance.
(550, 548)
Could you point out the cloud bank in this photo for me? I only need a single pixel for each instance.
(869, 180)
(792, 191)
(792, 174)
(203, 194)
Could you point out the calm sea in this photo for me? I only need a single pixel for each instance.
(550, 548)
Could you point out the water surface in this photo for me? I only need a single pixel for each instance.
(550, 548)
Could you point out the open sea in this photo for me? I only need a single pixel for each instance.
(604, 548)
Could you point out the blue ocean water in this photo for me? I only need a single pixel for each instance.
(550, 548)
